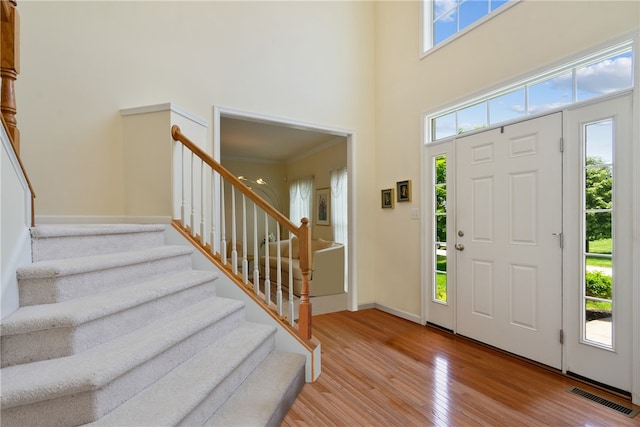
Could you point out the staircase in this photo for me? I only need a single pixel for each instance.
(115, 328)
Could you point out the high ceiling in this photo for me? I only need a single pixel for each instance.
(256, 140)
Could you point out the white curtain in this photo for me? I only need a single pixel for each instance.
(339, 205)
(339, 217)
(300, 199)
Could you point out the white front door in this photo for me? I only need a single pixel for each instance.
(598, 224)
(508, 236)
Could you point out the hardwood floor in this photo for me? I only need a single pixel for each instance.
(380, 370)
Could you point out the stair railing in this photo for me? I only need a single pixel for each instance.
(202, 183)
(9, 67)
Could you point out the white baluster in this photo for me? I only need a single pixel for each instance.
(203, 234)
(182, 191)
(234, 250)
(279, 277)
(223, 225)
(267, 273)
(291, 307)
(245, 263)
(212, 216)
(256, 274)
(193, 207)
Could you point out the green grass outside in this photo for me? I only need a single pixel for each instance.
(602, 246)
(598, 305)
(441, 287)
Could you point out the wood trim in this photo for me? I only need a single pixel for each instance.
(10, 68)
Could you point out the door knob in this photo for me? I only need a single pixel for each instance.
(460, 246)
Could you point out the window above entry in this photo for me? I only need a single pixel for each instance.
(443, 20)
(600, 74)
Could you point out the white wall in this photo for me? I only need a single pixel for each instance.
(15, 220)
(84, 61)
(527, 37)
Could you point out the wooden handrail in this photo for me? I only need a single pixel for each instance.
(10, 68)
(302, 232)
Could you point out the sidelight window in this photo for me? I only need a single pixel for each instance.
(598, 206)
(440, 229)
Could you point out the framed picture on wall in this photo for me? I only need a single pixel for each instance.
(387, 198)
(323, 207)
(404, 190)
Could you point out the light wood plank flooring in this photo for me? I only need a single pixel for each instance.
(380, 370)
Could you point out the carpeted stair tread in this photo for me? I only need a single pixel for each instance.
(60, 329)
(79, 265)
(94, 368)
(271, 390)
(52, 281)
(191, 392)
(67, 241)
(64, 230)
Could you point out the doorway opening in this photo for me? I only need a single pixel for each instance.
(271, 153)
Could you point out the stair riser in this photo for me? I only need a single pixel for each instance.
(97, 402)
(61, 342)
(62, 288)
(214, 400)
(64, 247)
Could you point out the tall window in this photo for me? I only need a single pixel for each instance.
(300, 199)
(598, 206)
(440, 229)
(596, 75)
(339, 205)
(445, 18)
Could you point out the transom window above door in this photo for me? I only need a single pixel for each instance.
(599, 74)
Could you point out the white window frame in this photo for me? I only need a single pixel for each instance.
(427, 24)
(536, 78)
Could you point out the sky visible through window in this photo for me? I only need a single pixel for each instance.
(576, 84)
(452, 16)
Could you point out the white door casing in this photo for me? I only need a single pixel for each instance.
(509, 220)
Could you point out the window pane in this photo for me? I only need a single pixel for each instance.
(598, 188)
(441, 287)
(606, 76)
(445, 27)
(441, 228)
(444, 126)
(598, 229)
(507, 107)
(441, 7)
(471, 11)
(474, 117)
(441, 199)
(441, 273)
(550, 94)
(599, 143)
(441, 169)
(598, 326)
(496, 4)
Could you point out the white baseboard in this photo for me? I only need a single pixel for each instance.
(398, 313)
(91, 219)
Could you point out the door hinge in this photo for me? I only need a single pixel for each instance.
(561, 145)
(561, 336)
(561, 238)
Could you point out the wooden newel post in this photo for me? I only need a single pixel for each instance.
(304, 311)
(10, 67)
